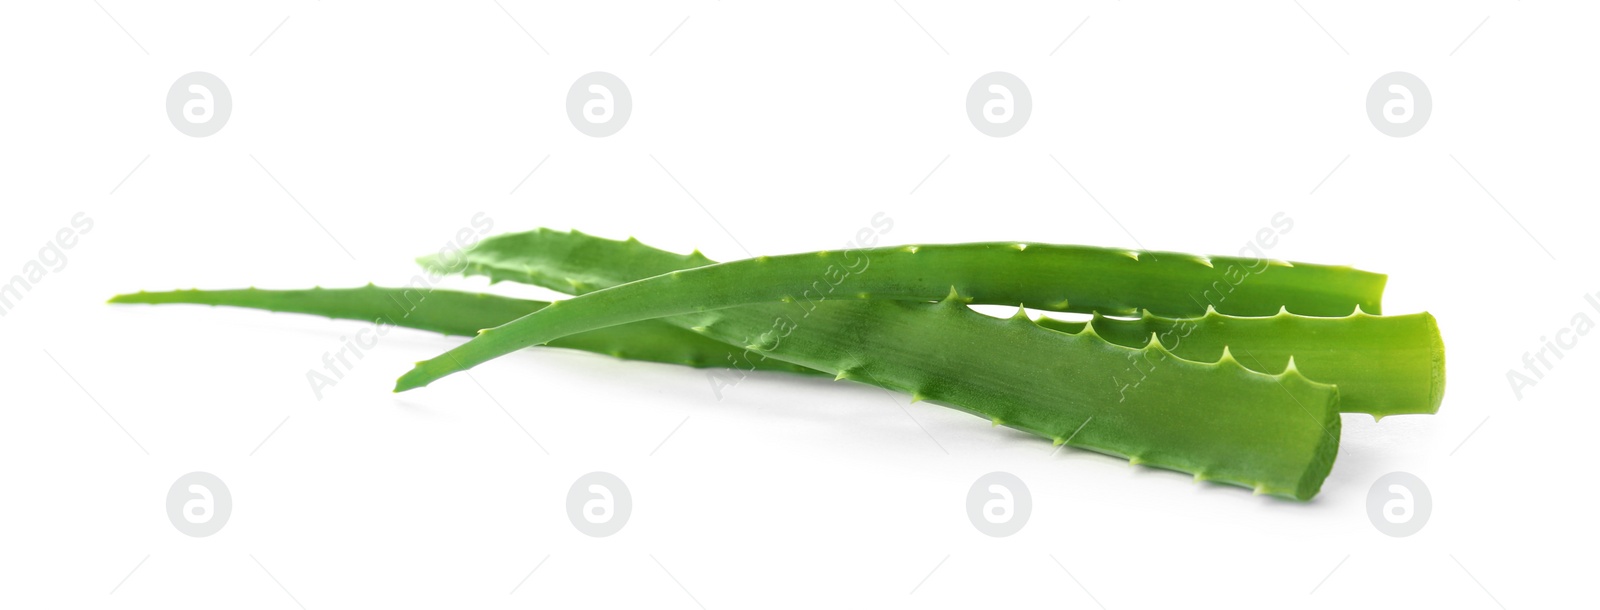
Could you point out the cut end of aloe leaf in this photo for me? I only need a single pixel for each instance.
(1436, 395)
(1327, 450)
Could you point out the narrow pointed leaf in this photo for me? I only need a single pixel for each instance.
(463, 313)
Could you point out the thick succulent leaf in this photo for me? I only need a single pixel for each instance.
(1383, 365)
(1277, 434)
(464, 313)
(1067, 278)
(1057, 278)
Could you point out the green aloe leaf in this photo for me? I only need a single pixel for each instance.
(464, 313)
(1079, 279)
(1383, 365)
(1277, 434)
(1057, 278)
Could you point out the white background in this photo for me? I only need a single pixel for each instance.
(392, 124)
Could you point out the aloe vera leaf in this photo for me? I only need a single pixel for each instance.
(1388, 365)
(1383, 365)
(1080, 279)
(464, 313)
(1058, 278)
(1277, 434)
(569, 262)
